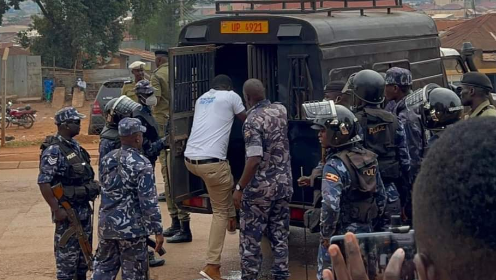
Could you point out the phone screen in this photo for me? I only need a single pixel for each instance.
(378, 248)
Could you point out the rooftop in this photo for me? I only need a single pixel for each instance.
(145, 55)
(480, 31)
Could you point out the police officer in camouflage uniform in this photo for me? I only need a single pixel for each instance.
(64, 161)
(265, 188)
(353, 193)
(398, 87)
(116, 110)
(179, 231)
(129, 210)
(137, 69)
(384, 135)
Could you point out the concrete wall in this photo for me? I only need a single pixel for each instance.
(24, 78)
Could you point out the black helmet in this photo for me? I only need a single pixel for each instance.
(369, 86)
(118, 109)
(437, 106)
(339, 122)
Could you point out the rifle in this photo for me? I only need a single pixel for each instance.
(75, 229)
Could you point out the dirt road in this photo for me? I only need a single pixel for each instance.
(26, 239)
(44, 126)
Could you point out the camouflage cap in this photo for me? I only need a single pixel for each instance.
(398, 76)
(67, 113)
(130, 126)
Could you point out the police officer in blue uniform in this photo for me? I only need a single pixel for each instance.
(129, 211)
(353, 193)
(383, 134)
(64, 161)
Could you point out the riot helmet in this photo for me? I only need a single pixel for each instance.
(369, 86)
(437, 106)
(118, 109)
(145, 93)
(339, 122)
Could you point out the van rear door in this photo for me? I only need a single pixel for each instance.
(191, 70)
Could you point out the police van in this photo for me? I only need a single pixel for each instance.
(294, 52)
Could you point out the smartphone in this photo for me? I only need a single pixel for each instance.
(377, 249)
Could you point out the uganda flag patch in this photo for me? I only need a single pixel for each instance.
(331, 177)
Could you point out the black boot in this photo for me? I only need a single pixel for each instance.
(174, 228)
(184, 235)
(154, 262)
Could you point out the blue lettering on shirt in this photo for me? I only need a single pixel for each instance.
(206, 100)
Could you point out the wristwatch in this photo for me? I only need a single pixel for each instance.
(239, 188)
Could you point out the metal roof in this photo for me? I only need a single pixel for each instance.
(350, 26)
(480, 31)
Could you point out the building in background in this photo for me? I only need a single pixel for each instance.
(481, 32)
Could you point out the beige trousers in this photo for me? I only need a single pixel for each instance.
(219, 182)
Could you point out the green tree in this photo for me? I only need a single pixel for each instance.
(161, 28)
(78, 32)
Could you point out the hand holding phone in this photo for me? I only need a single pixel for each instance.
(378, 258)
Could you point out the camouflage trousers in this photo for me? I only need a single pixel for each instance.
(323, 257)
(393, 207)
(164, 158)
(257, 218)
(70, 259)
(130, 255)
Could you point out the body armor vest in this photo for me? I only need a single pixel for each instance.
(78, 180)
(358, 203)
(379, 133)
(110, 133)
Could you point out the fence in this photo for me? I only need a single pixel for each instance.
(24, 76)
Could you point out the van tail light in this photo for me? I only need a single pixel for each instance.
(96, 108)
(199, 202)
(296, 214)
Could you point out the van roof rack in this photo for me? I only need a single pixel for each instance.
(238, 7)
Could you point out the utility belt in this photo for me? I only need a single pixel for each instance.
(81, 194)
(363, 211)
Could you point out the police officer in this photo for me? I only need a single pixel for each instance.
(153, 145)
(160, 81)
(128, 188)
(265, 188)
(398, 86)
(475, 92)
(438, 108)
(116, 110)
(64, 161)
(179, 231)
(353, 194)
(137, 69)
(384, 135)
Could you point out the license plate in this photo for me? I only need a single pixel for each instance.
(244, 27)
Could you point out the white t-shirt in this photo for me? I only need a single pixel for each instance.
(214, 116)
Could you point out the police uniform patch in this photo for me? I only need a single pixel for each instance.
(52, 160)
(331, 177)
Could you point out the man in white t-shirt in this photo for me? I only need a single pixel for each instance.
(205, 156)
